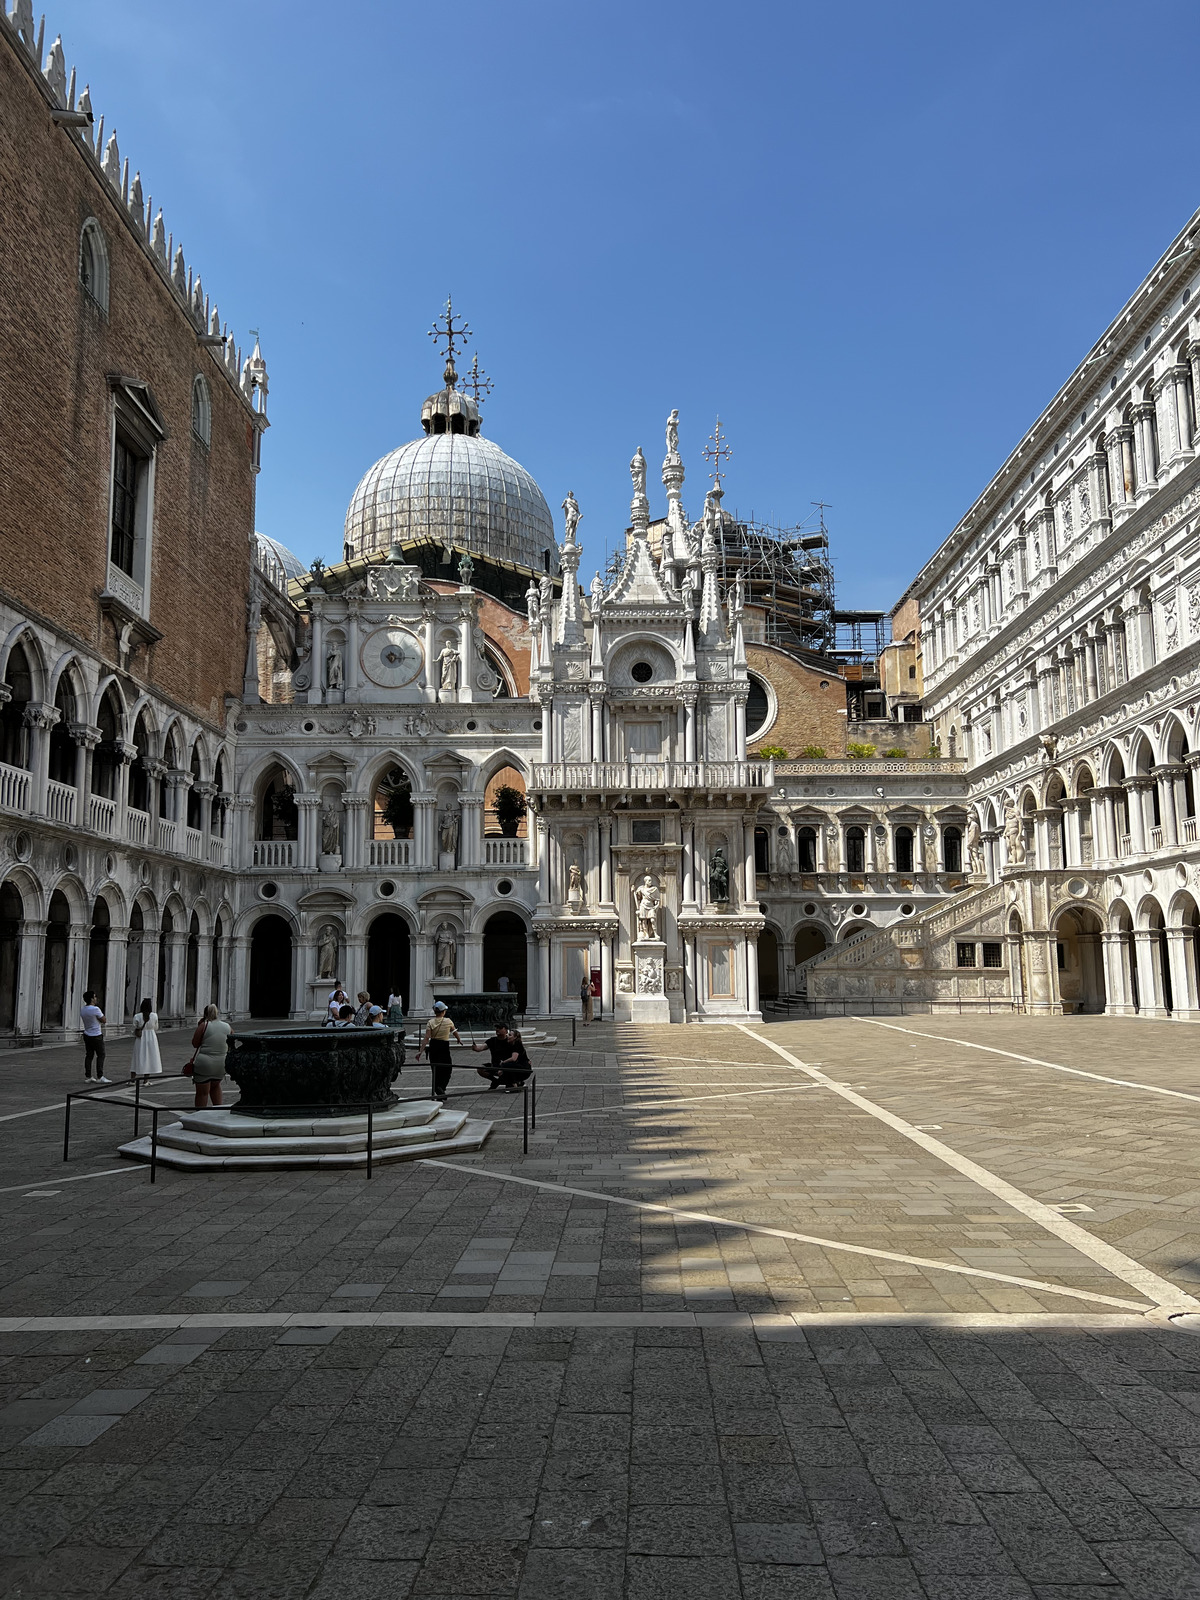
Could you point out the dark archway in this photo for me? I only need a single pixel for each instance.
(164, 957)
(12, 913)
(54, 966)
(810, 941)
(505, 955)
(768, 965)
(1080, 962)
(388, 959)
(270, 968)
(133, 961)
(97, 973)
(192, 965)
(214, 994)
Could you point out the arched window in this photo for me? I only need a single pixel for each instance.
(14, 735)
(93, 262)
(104, 757)
(806, 849)
(278, 816)
(855, 849)
(62, 747)
(393, 809)
(201, 411)
(904, 850)
(504, 805)
(762, 850)
(952, 848)
(195, 803)
(139, 775)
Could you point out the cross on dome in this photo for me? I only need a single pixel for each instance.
(452, 336)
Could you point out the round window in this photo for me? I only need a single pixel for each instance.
(471, 726)
(758, 707)
(858, 911)
(310, 727)
(810, 911)
(504, 887)
(387, 888)
(269, 891)
(907, 910)
(537, 727)
(641, 672)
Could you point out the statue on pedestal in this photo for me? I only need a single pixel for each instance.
(646, 904)
(327, 951)
(718, 875)
(571, 515)
(446, 951)
(448, 660)
(331, 830)
(333, 667)
(448, 824)
(1014, 836)
(975, 847)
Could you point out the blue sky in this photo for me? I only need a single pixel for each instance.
(875, 238)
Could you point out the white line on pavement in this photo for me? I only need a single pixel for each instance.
(785, 1233)
(1033, 1061)
(1155, 1288)
(79, 1177)
(765, 1325)
(34, 1111)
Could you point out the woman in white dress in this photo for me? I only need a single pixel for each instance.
(146, 1061)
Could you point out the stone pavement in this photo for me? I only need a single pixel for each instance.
(746, 1321)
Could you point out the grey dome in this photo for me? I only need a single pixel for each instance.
(276, 561)
(458, 489)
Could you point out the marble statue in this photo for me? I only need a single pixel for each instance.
(1014, 835)
(575, 884)
(545, 596)
(327, 951)
(571, 513)
(331, 830)
(975, 847)
(673, 434)
(783, 853)
(446, 948)
(646, 902)
(448, 830)
(448, 659)
(718, 875)
(333, 667)
(637, 471)
(533, 605)
(597, 589)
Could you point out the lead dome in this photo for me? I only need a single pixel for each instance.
(452, 487)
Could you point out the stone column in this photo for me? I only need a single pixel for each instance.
(114, 993)
(1118, 1000)
(1137, 822)
(1149, 971)
(39, 719)
(1183, 409)
(241, 806)
(350, 674)
(30, 972)
(359, 816)
(822, 857)
(425, 830)
(85, 740)
(689, 729)
(543, 861)
(421, 979)
(606, 976)
(237, 986)
(751, 880)
(173, 999)
(354, 964)
(471, 956)
(1072, 838)
(316, 693)
(309, 808)
(1041, 964)
(739, 728)
(204, 971)
(1169, 779)
(471, 836)
(219, 990)
(1182, 959)
(752, 976)
(688, 833)
(1147, 461)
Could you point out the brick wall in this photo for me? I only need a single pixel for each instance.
(57, 350)
(811, 703)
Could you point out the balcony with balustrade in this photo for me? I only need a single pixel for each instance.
(14, 788)
(389, 852)
(650, 777)
(506, 852)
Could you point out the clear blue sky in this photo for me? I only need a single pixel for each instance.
(876, 238)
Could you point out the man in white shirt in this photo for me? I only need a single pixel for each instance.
(92, 1018)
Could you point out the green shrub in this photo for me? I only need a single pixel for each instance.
(771, 752)
(813, 752)
(509, 805)
(895, 754)
(861, 752)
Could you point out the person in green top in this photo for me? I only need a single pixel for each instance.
(438, 1033)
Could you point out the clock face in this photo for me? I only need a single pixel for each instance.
(392, 657)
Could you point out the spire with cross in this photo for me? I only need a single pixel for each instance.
(453, 336)
(477, 382)
(716, 451)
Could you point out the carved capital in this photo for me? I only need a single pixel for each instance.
(84, 734)
(41, 716)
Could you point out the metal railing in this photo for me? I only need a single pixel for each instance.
(14, 788)
(136, 1102)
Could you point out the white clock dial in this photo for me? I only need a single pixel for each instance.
(392, 657)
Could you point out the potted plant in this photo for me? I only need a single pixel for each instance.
(509, 806)
(398, 806)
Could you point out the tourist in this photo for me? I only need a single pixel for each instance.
(344, 1018)
(438, 1033)
(375, 1018)
(503, 984)
(337, 1000)
(146, 1061)
(510, 1064)
(210, 1043)
(395, 1001)
(364, 1009)
(585, 1000)
(92, 1018)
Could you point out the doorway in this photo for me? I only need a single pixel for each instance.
(388, 959)
(768, 965)
(505, 955)
(270, 968)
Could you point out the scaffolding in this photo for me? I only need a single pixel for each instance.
(787, 574)
(859, 634)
